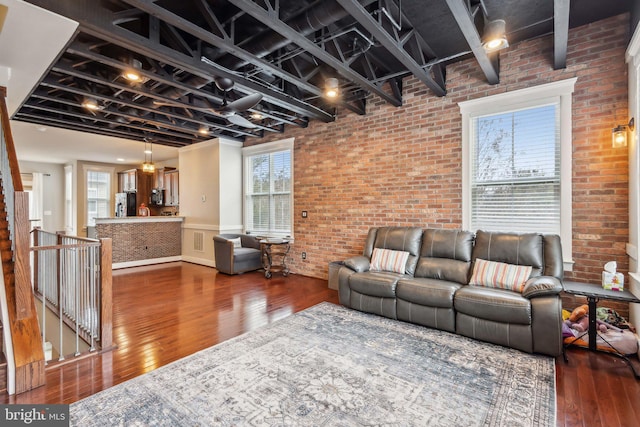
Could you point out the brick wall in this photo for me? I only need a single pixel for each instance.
(402, 166)
(134, 241)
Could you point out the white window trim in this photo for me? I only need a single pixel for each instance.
(94, 168)
(520, 99)
(269, 147)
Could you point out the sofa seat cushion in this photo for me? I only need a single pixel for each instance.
(498, 305)
(427, 292)
(244, 254)
(375, 283)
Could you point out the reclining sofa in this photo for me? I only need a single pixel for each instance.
(497, 287)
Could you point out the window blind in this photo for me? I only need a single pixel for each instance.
(269, 193)
(515, 177)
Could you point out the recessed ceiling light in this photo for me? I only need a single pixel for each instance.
(91, 104)
(42, 128)
(120, 159)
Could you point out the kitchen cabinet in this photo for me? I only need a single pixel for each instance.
(171, 188)
(138, 181)
(158, 177)
(127, 181)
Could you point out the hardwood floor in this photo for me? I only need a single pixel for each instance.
(163, 313)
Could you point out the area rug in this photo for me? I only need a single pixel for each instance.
(333, 366)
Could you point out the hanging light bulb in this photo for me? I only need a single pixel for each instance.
(331, 88)
(148, 166)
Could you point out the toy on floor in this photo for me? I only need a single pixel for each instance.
(609, 337)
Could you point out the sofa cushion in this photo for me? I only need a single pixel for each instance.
(499, 275)
(427, 292)
(389, 260)
(445, 255)
(510, 248)
(406, 239)
(498, 305)
(375, 283)
(241, 254)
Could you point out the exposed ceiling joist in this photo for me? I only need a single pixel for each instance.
(98, 21)
(560, 32)
(464, 19)
(394, 44)
(225, 42)
(269, 17)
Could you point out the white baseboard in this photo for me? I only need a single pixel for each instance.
(201, 261)
(142, 262)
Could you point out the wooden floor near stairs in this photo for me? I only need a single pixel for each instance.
(165, 312)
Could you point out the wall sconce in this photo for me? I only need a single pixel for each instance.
(619, 134)
(494, 36)
(331, 88)
(148, 166)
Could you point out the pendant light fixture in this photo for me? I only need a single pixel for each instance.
(148, 166)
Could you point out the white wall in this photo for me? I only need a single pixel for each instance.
(53, 193)
(210, 195)
(633, 60)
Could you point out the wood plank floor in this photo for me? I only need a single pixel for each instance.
(163, 313)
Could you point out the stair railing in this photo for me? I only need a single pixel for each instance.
(72, 278)
(25, 355)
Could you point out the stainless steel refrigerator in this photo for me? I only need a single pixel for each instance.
(126, 204)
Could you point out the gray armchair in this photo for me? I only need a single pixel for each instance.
(236, 260)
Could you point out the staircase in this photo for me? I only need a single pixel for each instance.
(20, 323)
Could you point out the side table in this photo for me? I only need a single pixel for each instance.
(274, 256)
(594, 294)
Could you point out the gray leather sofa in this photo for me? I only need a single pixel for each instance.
(235, 260)
(433, 291)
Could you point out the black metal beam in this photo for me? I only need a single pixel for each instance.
(98, 21)
(464, 19)
(392, 44)
(140, 90)
(560, 33)
(269, 18)
(224, 43)
(83, 127)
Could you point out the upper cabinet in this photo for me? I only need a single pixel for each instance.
(127, 181)
(138, 181)
(171, 188)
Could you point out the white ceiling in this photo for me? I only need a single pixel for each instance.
(30, 40)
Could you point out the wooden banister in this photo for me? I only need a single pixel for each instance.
(28, 354)
(8, 139)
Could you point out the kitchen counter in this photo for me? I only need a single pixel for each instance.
(139, 219)
(142, 240)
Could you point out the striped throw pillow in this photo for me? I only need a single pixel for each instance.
(499, 275)
(388, 260)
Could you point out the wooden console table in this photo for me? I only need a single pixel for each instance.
(595, 293)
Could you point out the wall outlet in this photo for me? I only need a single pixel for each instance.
(304, 255)
(304, 214)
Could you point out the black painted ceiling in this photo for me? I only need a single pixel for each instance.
(282, 49)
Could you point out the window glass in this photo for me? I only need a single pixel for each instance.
(268, 189)
(515, 178)
(98, 192)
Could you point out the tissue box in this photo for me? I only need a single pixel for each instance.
(613, 281)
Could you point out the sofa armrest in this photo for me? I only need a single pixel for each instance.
(358, 263)
(541, 286)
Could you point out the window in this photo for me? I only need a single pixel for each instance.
(517, 162)
(98, 195)
(268, 189)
